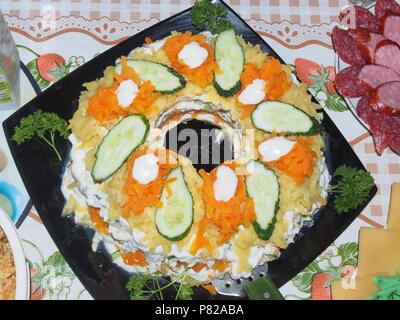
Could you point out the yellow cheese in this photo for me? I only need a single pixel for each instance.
(394, 209)
(378, 251)
(354, 289)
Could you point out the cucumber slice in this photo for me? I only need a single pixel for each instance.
(119, 143)
(262, 186)
(175, 218)
(284, 118)
(229, 56)
(165, 79)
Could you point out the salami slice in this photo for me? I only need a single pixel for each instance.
(366, 42)
(390, 27)
(387, 53)
(364, 109)
(386, 98)
(372, 76)
(346, 47)
(395, 144)
(385, 7)
(359, 17)
(384, 129)
(347, 83)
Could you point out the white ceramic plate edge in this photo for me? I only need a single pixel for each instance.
(21, 266)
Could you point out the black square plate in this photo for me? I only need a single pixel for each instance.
(42, 173)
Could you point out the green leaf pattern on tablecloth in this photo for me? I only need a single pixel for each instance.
(335, 263)
(54, 276)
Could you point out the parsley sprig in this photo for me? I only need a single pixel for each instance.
(44, 125)
(147, 286)
(352, 189)
(208, 16)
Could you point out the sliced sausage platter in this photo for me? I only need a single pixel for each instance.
(368, 50)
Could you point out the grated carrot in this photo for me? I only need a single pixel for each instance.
(210, 288)
(274, 76)
(140, 195)
(226, 216)
(198, 267)
(276, 80)
(104, 106)
(299, 162)
(220, 265)
(148, 40)
(135, 258)
(99, 224)
(202, 75)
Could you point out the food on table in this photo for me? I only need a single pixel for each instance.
(387, 53)
(385, 7)
(390, 27)
(394, 208)
(150, 207)
(386, 98)
(7, 269)
(384, 128)
(352, 188)
(378, 259)
(364, 19)
(370, 44)
(389, 287)
(346, 47)
(44, 126)
(372, 76)
(348, 84)
(357, 289)
(157, 216)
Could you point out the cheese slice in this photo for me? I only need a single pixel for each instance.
(354, 289)
(394, 209)
(378, 251)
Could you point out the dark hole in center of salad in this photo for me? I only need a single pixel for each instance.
(203, 143)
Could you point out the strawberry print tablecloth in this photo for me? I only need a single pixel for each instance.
(72, 32)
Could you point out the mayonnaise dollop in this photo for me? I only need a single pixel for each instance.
(193, 55)
(274, 148)
(254, 93)
(225, 184)
(126, 92)
(145, 168)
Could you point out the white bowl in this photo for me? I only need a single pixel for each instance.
(21, 267)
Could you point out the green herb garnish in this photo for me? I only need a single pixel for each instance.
(208, 16)
(43, 125)
(389, 288)
(146, 287)
(352, 188)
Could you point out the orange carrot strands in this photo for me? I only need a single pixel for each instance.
(210, 288)
(141, 196)
(299, 162)
(135, 258)
(226, 216)
(202, 75)
(198, 267)
(99, 224)
(274, 76)
(104, 106)
(148, 40)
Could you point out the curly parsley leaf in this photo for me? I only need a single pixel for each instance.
(208, 16)
(352, 189)
(44, 125)
(146, 287)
